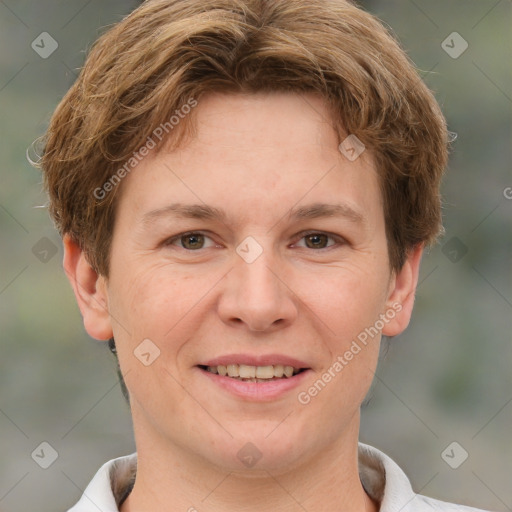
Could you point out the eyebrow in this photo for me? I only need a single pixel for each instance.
(185, 211)
(319, 210)
(205, 212)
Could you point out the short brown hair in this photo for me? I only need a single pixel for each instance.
(145, 68)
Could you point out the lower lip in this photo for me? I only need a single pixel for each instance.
(257, 391)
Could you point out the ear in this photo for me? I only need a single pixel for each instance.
(401, 293)
(90, 291)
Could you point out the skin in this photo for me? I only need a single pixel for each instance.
(257, 157)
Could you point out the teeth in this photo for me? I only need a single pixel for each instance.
(278, 370)
(233, 370)
(264, 372)
(247, 372)
(288, 371)
(254, 373)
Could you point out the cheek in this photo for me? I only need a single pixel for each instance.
(165, 305)
(147, 298)
(347, 302)
(156, 314)
(345, 299)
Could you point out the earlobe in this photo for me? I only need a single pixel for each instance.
(90, 290)
(402, 292)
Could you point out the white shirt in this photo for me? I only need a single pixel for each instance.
(382, 479)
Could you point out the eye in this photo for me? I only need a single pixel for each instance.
(315, 240)
(191, 241)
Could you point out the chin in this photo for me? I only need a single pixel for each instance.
(266, 447)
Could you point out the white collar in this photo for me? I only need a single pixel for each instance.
(382, 479)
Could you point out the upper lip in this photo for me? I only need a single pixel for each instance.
(255, 360)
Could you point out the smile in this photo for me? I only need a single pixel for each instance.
(261, 382)
(248, 373)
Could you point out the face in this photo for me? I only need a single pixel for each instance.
(257, 243)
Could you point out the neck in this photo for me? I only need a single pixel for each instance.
(171, 479)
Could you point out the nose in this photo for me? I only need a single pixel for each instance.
(256, 295)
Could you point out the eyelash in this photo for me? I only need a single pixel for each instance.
(337, 239)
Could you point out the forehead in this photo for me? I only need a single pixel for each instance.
(261, 118)
(258, 155)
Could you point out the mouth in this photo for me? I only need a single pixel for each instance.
(256, 378)
(248, 373)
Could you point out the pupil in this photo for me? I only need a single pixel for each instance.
(317, 240)
(193, 241)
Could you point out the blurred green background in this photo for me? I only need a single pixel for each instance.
(447, 378)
